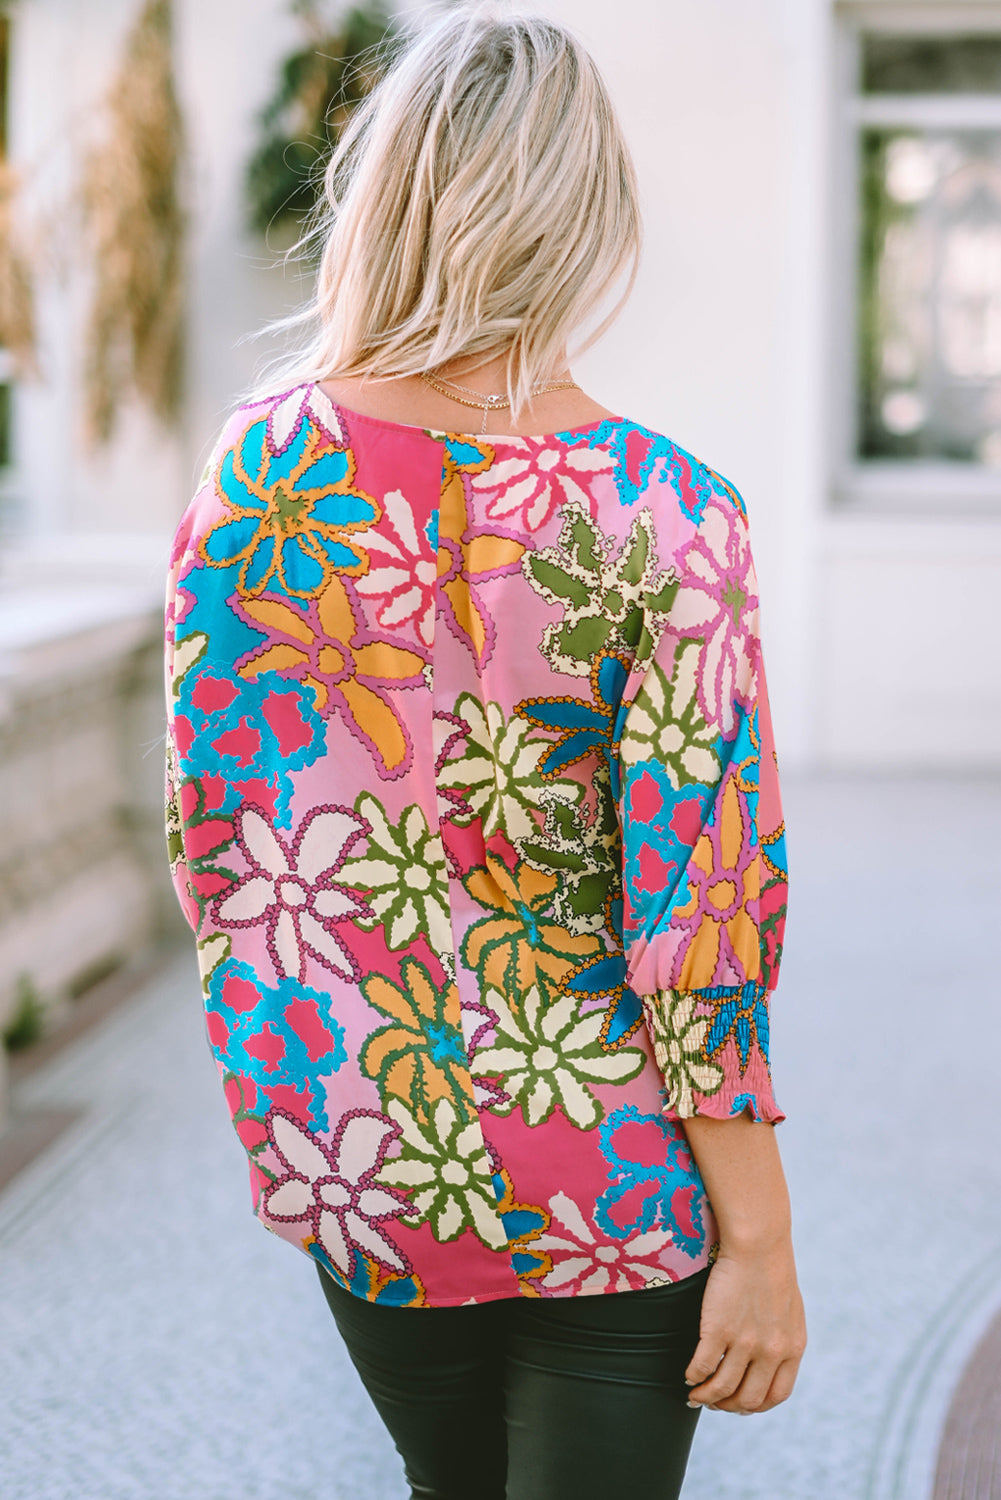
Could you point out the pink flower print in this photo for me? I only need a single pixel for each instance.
(288, 889)
(585, 1260)
(402, 563)
(524, 489)
(332, 1188)
(305, 403)
(717, 603)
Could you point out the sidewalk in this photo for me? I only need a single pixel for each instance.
(156, 1344)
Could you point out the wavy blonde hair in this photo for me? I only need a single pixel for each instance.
(482, 199)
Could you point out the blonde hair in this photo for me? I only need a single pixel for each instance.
(482, 199)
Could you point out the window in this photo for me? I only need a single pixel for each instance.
(925, 138)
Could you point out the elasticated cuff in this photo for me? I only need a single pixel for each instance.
(721, 1081)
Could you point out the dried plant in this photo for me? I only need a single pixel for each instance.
(134, 227)
(317, 88)
(17, 303)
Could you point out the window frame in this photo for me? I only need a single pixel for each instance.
(915, 486)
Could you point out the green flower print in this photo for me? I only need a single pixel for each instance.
(608, 601)
(548, 1054)
(664, 723)
(404, 877)
(679, 1039)
(444, 1166)
(420, 1057)
(582, 849)
(496, 770)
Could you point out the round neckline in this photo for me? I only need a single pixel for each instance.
(437, 433)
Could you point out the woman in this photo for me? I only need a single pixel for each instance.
(474, 812)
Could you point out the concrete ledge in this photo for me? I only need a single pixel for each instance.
(82, 873)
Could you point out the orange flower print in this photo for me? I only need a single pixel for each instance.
(351, 672)
(517, 944)
(467, 558)
(719, 915)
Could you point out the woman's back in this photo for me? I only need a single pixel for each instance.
(471, 754)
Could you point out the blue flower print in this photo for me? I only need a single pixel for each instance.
(523, 1224)
(604, 978)
(641, 455)
(290, 517)
(655, 1182)
(285, 1039)
(741, 1013)
(665, 824)
(582, 727)
(370, 1282)
(243, 730)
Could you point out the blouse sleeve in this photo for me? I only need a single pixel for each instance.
(176, 652)
(703, 839)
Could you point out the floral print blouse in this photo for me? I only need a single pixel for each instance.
(473, 809)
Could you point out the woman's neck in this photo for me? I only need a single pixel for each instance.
(487, 374)
(409, 400)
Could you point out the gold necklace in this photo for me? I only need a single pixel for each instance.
(486, 404)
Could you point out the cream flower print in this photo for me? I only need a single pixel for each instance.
(306, 402)
(333, 1188)
(404, 876)
(174, 812)
(443, 1165)
(539, 476)
(289, 889)
(612, 594)
(402, 565)
(185, 655)
(679, 1038)
(665, 723)
(547, 1054)
(212, 951)
(493, 770)
(584, 1260)
(584, 849)
(717, 604)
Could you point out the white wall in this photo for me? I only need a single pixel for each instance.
(720, 343)
(877, 631)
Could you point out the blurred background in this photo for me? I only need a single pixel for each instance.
(819, 317)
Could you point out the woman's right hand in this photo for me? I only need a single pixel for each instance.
(752, 1332)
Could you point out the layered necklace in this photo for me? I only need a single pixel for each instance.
(487, 404)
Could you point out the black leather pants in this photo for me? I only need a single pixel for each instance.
(570, 1398)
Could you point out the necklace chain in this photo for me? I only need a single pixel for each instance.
(487, 403)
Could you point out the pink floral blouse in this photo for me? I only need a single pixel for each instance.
(473, 809)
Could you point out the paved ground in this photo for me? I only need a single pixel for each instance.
(156, 1344)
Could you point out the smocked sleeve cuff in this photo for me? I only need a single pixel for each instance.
(712, 1049)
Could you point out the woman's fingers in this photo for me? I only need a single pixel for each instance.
(723, 1382)
(750, 1395)
(708, 1353)
(782, 1384)
(765, 1384)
